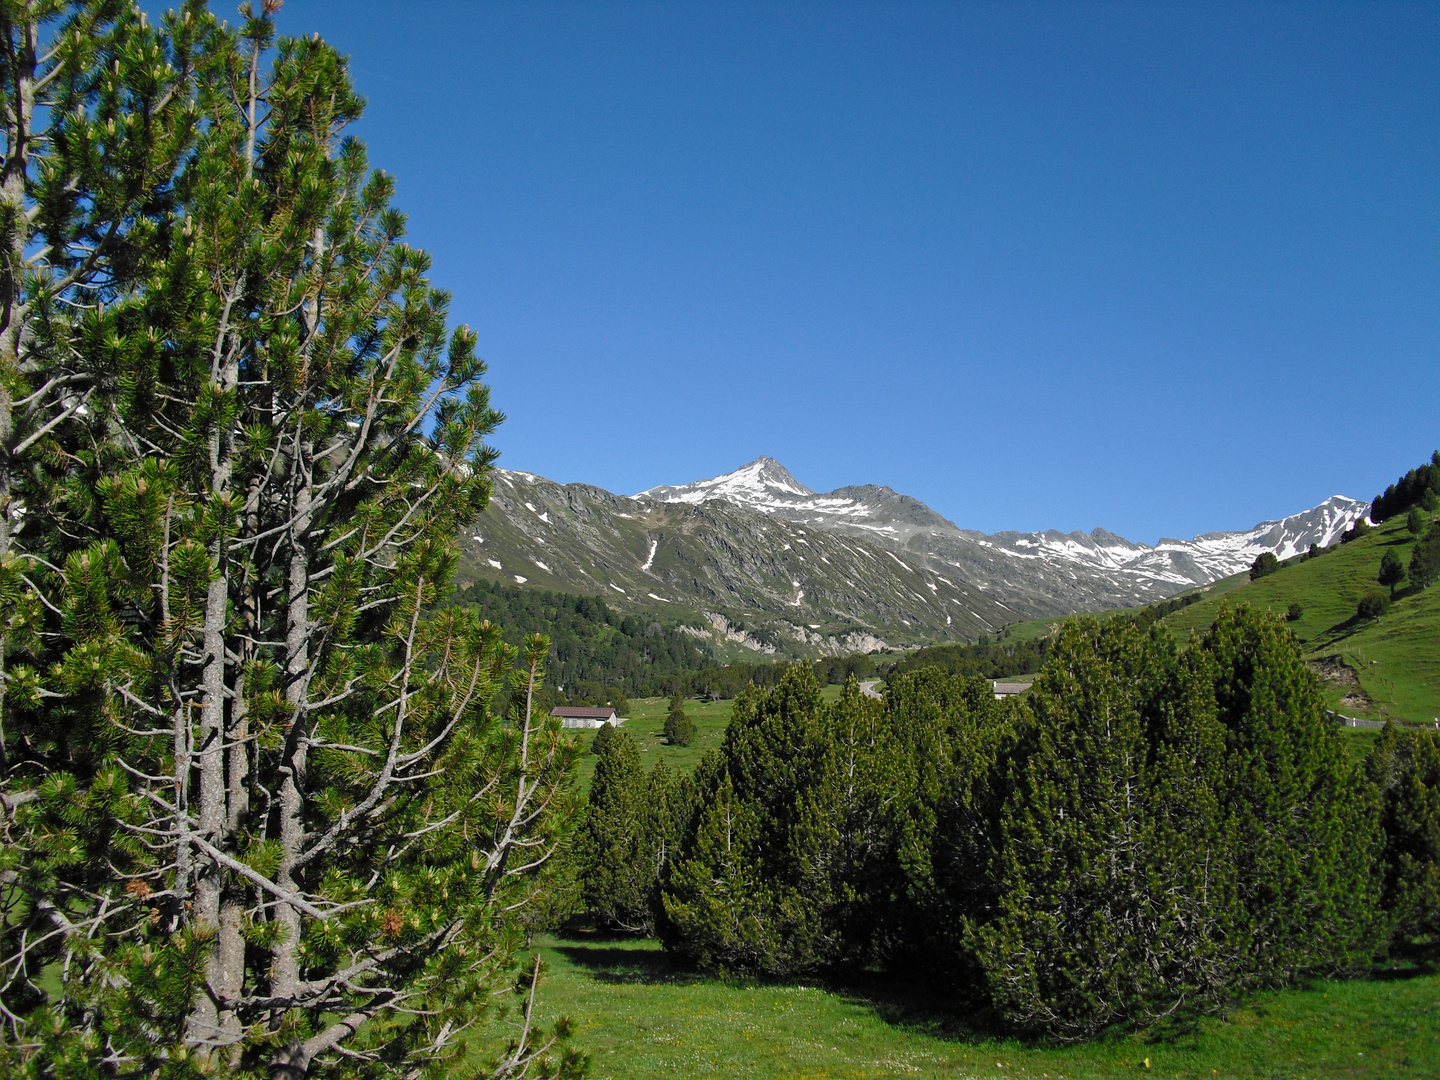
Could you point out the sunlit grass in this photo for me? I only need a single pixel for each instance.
(641, 1017)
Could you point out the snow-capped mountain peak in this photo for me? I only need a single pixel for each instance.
(757, 485)
(1138, 571)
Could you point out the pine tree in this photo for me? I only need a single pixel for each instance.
(1425, 558)
(617, 875)
(1406, 768)
(277, 822)
(1112, 860)
(679, 728)
(753, 888)
(953, 736)
(604, 739)
(1304, 820)
(1392, 571)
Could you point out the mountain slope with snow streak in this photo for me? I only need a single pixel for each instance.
(1044, 573)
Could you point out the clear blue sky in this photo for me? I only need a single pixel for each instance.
(1162, 268)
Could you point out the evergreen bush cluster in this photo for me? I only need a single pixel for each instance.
(1265, 563)
(1150, 832)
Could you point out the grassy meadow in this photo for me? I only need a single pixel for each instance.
(641, 1017)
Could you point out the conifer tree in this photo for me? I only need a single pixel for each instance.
(679, 728)
(668, 809)
(1425, 557)
(277, 828)
(1392, 572)
(617, 874)
(1406, 768)
(1111, 845)
(1304, 820)
(753, 887)
(98, 112)
(604, 739)
(953, 736)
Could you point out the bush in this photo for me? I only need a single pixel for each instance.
(1265, 563)
(1293, 613)
(679, 728)
(1152, 831)
(1356, 531)
(1372, 605)
(603, 738)
(1405, 766)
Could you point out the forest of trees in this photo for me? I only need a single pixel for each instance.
(593, 647)
(1418, 487)
(1150, 833)
(598, 653)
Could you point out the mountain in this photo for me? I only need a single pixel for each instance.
(1043, 573)
(744, 580)
(754, 560)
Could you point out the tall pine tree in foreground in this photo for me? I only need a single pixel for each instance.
(265, 818)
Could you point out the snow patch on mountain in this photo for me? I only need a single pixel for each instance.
(899, 521)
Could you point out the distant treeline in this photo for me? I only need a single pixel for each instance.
(1150, 833)
(1419, 486)
(601, 656)
(595, 651)
(990, 661)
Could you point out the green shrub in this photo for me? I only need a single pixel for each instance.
(1356, 531)
(1293, 613)
(1265, 563)
(1372, 605)
(603, 738)
(679, 729)
(1405, 766)
(1392, 571)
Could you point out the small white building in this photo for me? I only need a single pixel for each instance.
(574, 716)
(1010, 689)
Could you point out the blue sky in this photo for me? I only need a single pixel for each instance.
(1161, 268)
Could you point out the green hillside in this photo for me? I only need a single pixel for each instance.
(1387, 667)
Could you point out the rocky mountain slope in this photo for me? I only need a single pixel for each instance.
(756, 560)
(1036, 571)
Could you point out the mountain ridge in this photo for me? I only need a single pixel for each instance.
(755, 560)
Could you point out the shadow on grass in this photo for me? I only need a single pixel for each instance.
(616, 961)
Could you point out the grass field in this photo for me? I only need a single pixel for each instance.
(640, 1017)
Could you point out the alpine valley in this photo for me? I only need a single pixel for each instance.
(754, 560)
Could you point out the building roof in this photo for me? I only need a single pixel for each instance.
(575, 712)
(1012, 687)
